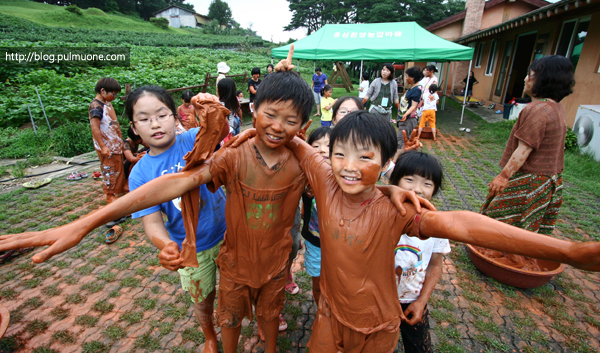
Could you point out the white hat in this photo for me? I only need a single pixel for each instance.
(222, 67)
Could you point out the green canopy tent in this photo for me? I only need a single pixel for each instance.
(395, 41)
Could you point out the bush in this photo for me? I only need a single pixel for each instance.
(160, 22)
(72, 139)
(17, 143)
(74, 9)
(571, 140)
(95, 12)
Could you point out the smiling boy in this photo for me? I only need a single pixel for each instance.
(359, 309)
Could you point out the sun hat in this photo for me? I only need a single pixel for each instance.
(222, 67)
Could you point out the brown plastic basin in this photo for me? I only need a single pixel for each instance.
(4, 320)
(515, 277)
(426, 133)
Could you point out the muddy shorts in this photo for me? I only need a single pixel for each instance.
(113, 174)
(330, 335)
(201, 281)
(428, 116)
(416, 338)
(236, 300)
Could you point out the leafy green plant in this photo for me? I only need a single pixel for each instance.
(74, 9)
(571, 140)
(160, 22)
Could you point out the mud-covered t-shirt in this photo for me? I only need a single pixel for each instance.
(109, 126)
(357, 269)
(188, 116)
(260, 210)
(541, 125)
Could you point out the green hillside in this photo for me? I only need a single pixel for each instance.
(92, 18)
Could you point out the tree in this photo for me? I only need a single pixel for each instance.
(219, 10)
(313, 14)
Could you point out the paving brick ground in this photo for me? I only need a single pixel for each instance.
(116, 298)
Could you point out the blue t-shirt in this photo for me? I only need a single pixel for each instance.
(211, 220)
(319, 82)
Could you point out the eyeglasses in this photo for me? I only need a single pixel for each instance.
(344, 112)
(160, 118)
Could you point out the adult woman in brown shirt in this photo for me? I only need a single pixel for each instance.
(528, 191)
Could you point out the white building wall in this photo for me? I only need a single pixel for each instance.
(186, 18)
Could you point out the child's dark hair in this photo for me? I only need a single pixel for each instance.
(160, 93)
(366, 129)
(341, 100)
(317, 69)
(132, 135)
(433, 88)
(237, 93)
(286, 86)
(325, 89)
(390, 67)
(421, 164)
(187, 95)
(255, 71)
(431, 68)
(318, 134)
(270, 66)
(553, 77)
(415, 73)
(365, 76)
(109, 84)
(226, 88)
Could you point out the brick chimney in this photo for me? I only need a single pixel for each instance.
(473, 17)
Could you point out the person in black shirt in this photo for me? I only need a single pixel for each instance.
(469, 82)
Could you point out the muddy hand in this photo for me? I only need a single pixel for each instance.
(241, 138)
(415, 312)
(286, 64)
(398, 196)
(413, 143)
(302, 132)
(170, 257)
(497, 185)
(59, 239)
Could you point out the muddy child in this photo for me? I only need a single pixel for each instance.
(264, 183)
(186, 112)
(359, 309)
(108, 140)
(151, 112)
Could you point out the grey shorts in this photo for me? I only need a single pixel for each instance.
(408, 125)
(317, 97)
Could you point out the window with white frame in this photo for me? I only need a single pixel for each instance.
(479, 54)
(491, 61)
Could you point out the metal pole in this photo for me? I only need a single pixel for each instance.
(361, 65)
(44, 110)
(466, 88)
(31, 116)
(447, 69)
(298, 65)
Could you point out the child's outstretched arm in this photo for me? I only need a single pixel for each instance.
(475, 229)
(155, 192)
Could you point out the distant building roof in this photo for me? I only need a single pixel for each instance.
(540, 14)
(491, 3)
(173, 5)
(202, 16)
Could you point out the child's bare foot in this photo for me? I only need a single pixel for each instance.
(261, 333)
(434, 138)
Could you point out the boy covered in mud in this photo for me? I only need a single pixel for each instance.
(359, 309)
(108, 140)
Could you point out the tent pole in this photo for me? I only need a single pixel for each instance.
(271, 61)
(447, 69)
(298, 65)
(466, 89)
(361, 68)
